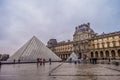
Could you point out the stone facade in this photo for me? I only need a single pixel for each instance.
(62, 49)
(81, 38)
(105, 46)
(88, 44)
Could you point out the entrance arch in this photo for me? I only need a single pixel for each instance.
(101, 54)
(92, 54)
(107, 53)
(96, 54)
(113, 53)
(80, 55)
(119, 53)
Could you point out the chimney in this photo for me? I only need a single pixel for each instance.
(88, 25)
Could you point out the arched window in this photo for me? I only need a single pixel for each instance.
(119, 53)
(96, 54)
(113, 53)
(101, 54)
(107, 53)
(92, 55)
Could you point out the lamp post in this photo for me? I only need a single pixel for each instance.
(110, 59)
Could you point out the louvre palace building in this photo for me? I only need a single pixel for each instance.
(88, 44)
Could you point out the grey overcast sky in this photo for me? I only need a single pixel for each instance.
(21, 19)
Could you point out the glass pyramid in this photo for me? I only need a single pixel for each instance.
(32, 50)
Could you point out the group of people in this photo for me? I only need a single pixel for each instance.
(75, 61)
(93, 60)
(42, 61)
(39, 61)
(14, 61)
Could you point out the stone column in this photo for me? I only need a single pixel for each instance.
(94, 54)
(104, 55)
(116, 53)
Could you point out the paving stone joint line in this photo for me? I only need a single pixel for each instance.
(54, 69)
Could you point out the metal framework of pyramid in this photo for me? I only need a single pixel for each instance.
(32, 50)
(73, 56)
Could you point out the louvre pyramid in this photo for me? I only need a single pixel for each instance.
(32, 50)
(73, 56)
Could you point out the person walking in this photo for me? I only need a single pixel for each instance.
(50, 61)
(19, 61)
(0, 63)
(37, 61)
(41, 61)
(44, 61)
(14, 61)
(70, 60)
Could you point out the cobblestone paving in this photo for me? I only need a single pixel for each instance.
(58, 71)
(85, 72)
(111, 66)
(26, 71)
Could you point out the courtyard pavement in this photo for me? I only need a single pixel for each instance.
(59, 71)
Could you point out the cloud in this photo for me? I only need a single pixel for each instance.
(21, 19)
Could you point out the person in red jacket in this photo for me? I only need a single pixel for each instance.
(41, 61)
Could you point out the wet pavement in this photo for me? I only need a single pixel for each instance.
(59, 71)
(111, 66)
(26, 71)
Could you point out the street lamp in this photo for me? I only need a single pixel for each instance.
(110, 59)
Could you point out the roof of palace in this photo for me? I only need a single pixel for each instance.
(84, 28)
